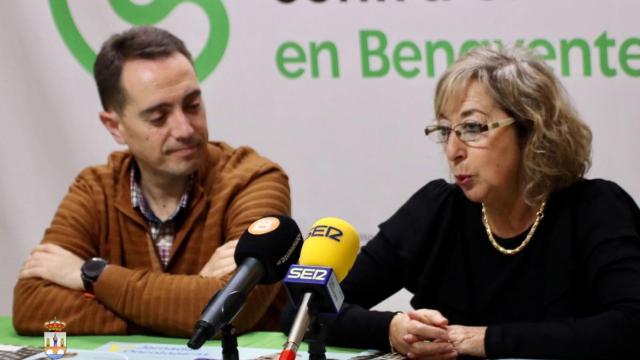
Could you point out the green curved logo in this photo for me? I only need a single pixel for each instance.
(148, 14)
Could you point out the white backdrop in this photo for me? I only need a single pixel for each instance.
(352, 144)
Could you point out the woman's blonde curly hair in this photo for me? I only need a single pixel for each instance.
(555, 142)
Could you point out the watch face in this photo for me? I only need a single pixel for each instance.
(94, 267)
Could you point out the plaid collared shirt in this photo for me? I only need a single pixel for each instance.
(162, 232)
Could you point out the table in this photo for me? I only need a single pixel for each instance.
(266, 340)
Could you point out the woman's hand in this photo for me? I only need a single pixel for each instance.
(468, 340)
(421, 334)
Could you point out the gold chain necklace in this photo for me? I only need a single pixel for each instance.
(504, 251)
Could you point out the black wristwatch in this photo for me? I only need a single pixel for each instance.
(90, 272)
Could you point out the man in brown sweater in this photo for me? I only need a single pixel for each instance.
(140, 244)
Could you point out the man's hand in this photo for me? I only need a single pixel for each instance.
(421, 334)
(468, 340)
(221, 262)
(52, 262)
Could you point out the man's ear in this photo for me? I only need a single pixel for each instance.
(111, 121)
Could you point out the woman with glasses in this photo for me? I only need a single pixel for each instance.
(521, 257)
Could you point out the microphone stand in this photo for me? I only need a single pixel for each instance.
(316, 335)
(229, 343)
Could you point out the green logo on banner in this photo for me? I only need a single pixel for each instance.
(148, 14)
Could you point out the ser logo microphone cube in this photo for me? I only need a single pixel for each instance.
(320, 281)
(308, 273)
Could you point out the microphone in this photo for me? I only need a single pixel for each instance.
(327, 255)
(263, 254)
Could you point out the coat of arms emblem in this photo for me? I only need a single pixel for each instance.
(55, 339)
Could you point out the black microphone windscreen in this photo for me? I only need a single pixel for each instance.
(275, 241)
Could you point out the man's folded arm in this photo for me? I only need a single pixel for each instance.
(166, 303)
(37, 301)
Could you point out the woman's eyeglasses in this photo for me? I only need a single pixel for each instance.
(466, 131)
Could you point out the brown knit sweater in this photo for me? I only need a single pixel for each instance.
(135, 294)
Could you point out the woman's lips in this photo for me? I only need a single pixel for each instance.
(463, 180)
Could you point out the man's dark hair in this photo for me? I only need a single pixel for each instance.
(146, 42)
